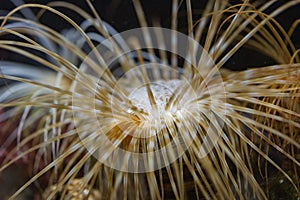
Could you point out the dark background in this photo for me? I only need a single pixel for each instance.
(121, 15)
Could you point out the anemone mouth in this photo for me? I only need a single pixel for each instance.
(153, 117)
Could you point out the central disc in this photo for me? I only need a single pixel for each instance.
(153, 116)
(161, 90)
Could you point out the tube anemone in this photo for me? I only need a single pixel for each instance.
(151, 112)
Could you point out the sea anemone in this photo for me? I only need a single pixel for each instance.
(151, 112)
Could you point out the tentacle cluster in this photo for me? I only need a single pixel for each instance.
(151, 112)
